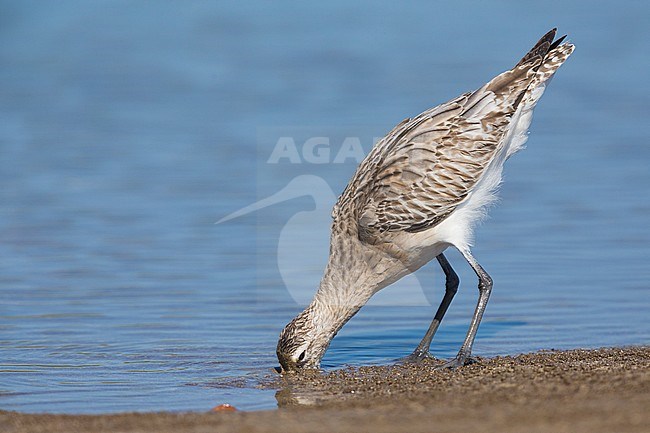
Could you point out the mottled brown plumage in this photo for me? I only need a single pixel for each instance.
(421, 189)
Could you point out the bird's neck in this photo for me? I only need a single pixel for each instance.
(353, 274)
(347, 285)
(333, 306)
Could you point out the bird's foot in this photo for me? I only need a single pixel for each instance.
(458, 361)
(416, 357)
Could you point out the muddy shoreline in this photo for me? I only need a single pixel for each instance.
(556, 391)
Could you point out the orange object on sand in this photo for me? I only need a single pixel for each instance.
(224, 408)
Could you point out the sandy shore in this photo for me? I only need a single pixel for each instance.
(605, 390)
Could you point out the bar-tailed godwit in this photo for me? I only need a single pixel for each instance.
(420, 190)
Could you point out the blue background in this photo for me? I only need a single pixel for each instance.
(128, 128)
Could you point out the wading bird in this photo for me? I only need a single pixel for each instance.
(420, 190)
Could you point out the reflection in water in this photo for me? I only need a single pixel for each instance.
(291, 390)
(287, 397)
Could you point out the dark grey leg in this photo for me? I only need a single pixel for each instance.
(451, 287)
(484, 289)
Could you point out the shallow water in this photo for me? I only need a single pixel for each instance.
(127, 130)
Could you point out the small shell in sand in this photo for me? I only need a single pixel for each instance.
(224, 408)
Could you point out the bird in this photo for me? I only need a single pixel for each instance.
(422, 188)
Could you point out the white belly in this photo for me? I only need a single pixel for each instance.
(458, 228)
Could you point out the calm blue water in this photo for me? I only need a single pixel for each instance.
(128, 128)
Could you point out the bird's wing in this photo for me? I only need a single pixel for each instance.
(426, 166)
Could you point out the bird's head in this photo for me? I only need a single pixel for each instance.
(304, 341)
(302, 344)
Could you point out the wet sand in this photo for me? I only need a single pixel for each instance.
(605, 390)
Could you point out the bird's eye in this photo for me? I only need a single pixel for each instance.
(301, 356)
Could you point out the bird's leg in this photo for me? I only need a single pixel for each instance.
(484, 288)
(451, 287)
